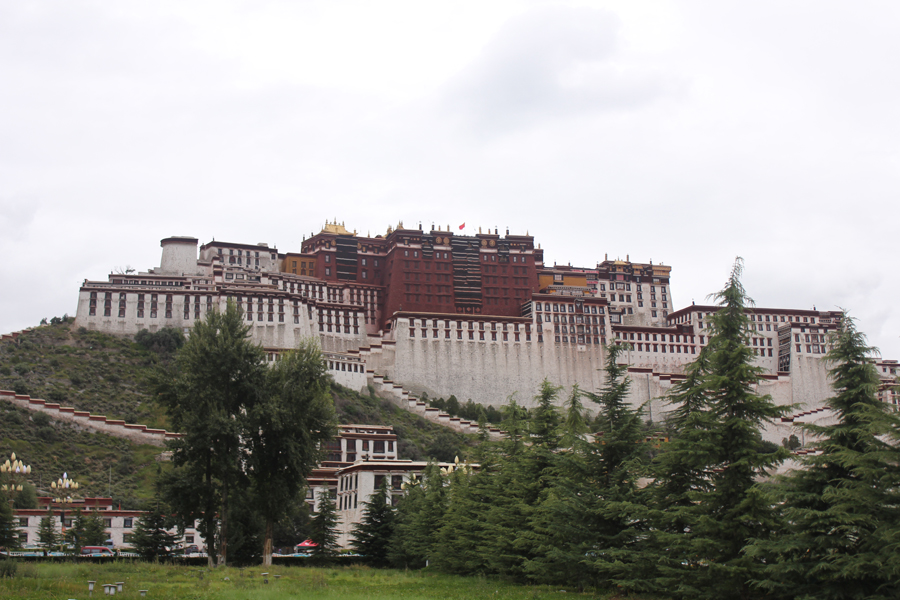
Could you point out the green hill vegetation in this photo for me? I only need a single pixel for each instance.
(109, 375)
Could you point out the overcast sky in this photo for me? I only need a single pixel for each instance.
(683, 132)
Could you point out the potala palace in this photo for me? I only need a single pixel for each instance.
(478, 316)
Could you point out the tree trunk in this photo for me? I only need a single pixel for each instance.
(267, 545)
(208, 521)
(223, 544)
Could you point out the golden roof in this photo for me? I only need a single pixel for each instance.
(336, 228)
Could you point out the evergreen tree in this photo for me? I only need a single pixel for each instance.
(418, 518)
(93, 531)
(286, 429)
(734, 509)
(843, 507)
(681, 476)
(323, 528)
(575, 424)
(217, 378)
(150, 538)
(461, 539)
(9, 536)
(48, 536)
(27, 498)
(87, 530)
(372, 536)
(521, 473)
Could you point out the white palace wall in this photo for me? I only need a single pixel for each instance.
(487, 372)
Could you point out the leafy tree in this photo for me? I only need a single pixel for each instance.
(372, 536)
(164, 342)
(285, 431)
(48, 536)
(323, 528)
(843, 507)
(246, 528)
(9, 537)
(217, 378)
(294, 525)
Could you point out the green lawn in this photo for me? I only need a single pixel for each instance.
(62, 580)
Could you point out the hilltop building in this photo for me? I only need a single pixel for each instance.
(478, 316)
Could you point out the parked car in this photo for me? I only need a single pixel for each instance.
(96, 551)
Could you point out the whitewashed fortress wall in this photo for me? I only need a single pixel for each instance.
(560, 335)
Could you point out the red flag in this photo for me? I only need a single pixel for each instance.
(463, 226)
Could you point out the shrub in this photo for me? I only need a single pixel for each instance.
(8, 568)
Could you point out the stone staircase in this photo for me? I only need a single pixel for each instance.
(139, 434)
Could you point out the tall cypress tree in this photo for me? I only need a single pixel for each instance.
(584, 529)
(843, 507)
(734, 509)
(419, 516)
(48, 536)
(323, 528)
(681, 476)
(9, 537)
(372, 536)
(150, 538)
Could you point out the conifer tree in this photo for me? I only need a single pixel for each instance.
(323, 528)
(9, 537)
(575, 423)
(461, 541)
(372, 536)
(681, 475)
(94, 532)
(843, 506)
(150, 538)
(48, 536)
(734, 509)
(419, 515)
(525, 461)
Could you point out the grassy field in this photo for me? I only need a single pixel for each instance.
(62, 580)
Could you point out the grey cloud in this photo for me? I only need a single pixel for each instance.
(548, 63)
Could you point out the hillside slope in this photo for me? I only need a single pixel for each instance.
(108, 375)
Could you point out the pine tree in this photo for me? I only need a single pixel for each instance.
(734, 509)
(93, 531)
(418, 518)
(87, 530)
(323, 528)
(461, 540)
(681, 477)
(372, 536)
(48, 536)
(843, 507)
(575, 424)
(150, 538)
(9, 537)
